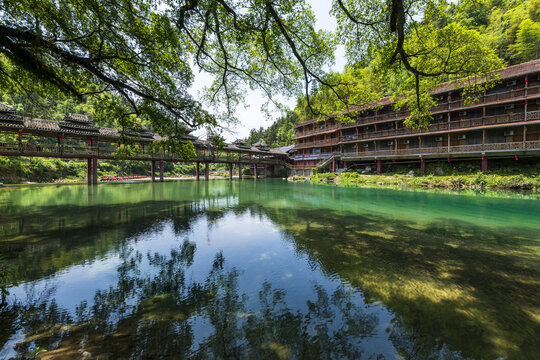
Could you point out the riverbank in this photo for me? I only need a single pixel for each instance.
(217, 176)
(477, 181)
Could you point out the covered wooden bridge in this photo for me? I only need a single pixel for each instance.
(76, 137)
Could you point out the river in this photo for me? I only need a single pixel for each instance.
(268, 270)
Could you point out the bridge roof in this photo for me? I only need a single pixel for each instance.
(89, 131)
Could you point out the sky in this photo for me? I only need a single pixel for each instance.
(252, 116)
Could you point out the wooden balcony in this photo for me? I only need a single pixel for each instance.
(460, 149)
(316, 131)
(442, 126)
(325, 142)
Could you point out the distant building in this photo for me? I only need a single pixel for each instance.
(504, 123)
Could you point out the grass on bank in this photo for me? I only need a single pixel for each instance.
(440, 175)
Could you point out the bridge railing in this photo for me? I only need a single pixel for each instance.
(59, 150)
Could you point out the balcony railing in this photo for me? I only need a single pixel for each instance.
(325, 142)
(316, 131)
(520, 145)
(314, 156)
(459, 124)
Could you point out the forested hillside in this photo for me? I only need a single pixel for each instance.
(510, 28)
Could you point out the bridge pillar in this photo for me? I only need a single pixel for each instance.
(255, 171)
(378, 167)
(484, 163)
(94, 171)
(333, 164)
(240, 171)
(206, 171)
(161, 170)
(153, 170)
(197, 176)
(230, 171)
(422, 166)
(89, 170)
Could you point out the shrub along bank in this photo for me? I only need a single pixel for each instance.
(472, 181)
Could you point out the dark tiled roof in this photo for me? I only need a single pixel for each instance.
(92, 131)
(39, 124)
(6, 108)
(79, 118)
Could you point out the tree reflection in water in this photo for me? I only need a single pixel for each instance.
(152, 315)
(444, 281)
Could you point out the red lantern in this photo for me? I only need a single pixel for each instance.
(141, 146)
(448, 159)
(516, 157)
(393, 160)
(20, 133)
(118, 145)
(90, 143)
(526, 102)
(483, 157)
(62, 137)
(97, 139)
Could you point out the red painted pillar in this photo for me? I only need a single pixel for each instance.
(94, 170)
(197, 170)
(422, 166)
(230, 171)
(240, 171)
(206, 171)
(161, 170)
(484, 163)
(378, 167)
(255, 171)
(153, 170)
(89, 171)
(334, 164)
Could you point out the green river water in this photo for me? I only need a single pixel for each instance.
(268, 270)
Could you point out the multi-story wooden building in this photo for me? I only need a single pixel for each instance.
(504, 123)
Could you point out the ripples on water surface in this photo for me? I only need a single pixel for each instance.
(268, 270)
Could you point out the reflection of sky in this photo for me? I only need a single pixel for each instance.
(250, 243)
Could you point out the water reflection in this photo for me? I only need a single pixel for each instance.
(219, 270)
